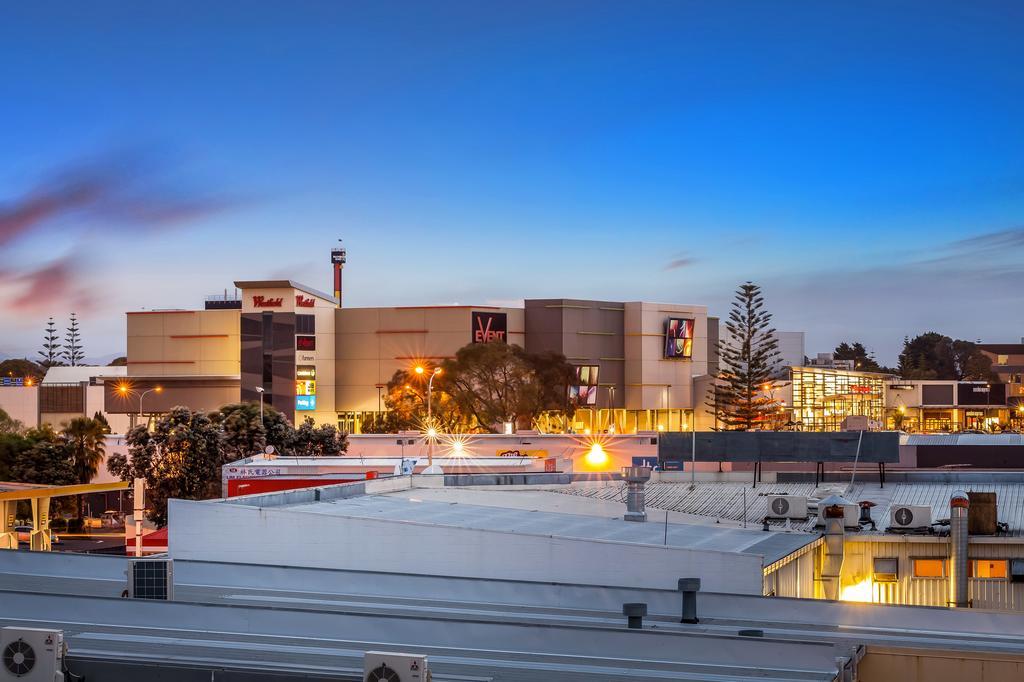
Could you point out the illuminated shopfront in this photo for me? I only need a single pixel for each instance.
(823, 398)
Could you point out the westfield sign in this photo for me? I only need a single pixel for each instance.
(303, 302)
(264, 302)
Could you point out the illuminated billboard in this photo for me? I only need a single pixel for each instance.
(305, 343)
(487, 327)
(305, 388)
(305, 402)
(583, 390)
(678, 338)
(305, 372)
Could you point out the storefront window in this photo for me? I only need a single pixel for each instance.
(823, 398)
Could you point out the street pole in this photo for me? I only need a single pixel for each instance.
(430, 418)
(156, 389)
(693, 459)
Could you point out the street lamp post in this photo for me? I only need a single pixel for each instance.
(155, 389)
(261, 391)
(431, 431)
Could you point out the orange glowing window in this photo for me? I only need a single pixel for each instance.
(929, 568)
(989, 568)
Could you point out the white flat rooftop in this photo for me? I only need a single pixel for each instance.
(412, 507)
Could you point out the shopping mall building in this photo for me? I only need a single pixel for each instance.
(638, 363)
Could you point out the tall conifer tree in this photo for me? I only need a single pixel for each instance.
(73, 344)
(51, 346)
(748, 359)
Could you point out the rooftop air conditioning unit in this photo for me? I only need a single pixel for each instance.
(383, 666)
(151, 579)
(787, 507)
(31, 655)
(910, 516)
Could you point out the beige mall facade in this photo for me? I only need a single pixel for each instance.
(637, 363)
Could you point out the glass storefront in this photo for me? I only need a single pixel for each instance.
(616, 421)
(823, 398)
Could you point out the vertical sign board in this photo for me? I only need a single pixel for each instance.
(488, 327)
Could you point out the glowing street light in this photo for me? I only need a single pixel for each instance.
(155, 389)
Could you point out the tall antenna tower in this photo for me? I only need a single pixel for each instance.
(338, 258)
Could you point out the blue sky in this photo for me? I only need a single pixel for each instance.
(864, 161)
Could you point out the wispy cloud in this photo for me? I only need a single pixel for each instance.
(940, 286)
(129, 193)
(679, 260)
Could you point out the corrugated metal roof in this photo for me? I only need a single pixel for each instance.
(965, 439)
(504, 519)
(726, 500)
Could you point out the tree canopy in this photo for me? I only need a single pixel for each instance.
(863, 360)
(935, 356)
(481, 388)
(181, 458)
(21, 367)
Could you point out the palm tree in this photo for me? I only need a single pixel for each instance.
(85, 439)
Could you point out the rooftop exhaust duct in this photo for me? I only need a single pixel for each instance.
(636, 503)
(834, 512)
(959, 506)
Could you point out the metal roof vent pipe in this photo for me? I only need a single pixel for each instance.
(636, 504)
(689, 587)
(959, 506)
(634, 614)
(835, 541)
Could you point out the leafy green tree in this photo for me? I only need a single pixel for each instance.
(181, 458)
(863, 360)
(934, 356)
(73, 352)
(84, 439)
(46, 460)
(494, 383)
(310, 440)
(50, 352)
(748, 361)
(22, 367)
(406, 403)
(244, 435)
(118, 362)
(8, 424)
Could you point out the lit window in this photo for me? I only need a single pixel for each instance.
(929, 568)
(988, 568)
(1002, 359)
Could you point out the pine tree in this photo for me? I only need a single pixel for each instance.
(748, 361)
(51, 346)
(73, 344)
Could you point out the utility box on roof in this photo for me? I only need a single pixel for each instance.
(982, 517)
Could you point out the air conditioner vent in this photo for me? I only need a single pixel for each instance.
(787, 507)
(906, 516)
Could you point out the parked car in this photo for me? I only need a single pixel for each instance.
(25, 536)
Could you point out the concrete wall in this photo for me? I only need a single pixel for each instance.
(883, 663)
(653, 381)
(21, 403)
(586, 333)
(373, 343)
(215, 531)
(183, 342)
